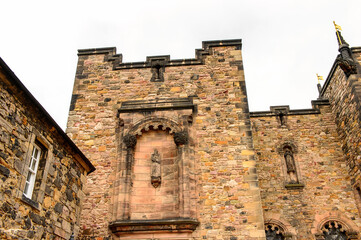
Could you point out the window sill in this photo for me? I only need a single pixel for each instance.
(30, 202)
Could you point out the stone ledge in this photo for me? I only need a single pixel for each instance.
(119, 227)
(30, 202)
(294, 185)
(157, 105)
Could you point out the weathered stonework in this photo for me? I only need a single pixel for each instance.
(195, 113)
(53, 210)
(344, 94)
(324, 186)
(221, 172)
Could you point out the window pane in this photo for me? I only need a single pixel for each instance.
(26, 188)
(29, 176)
(35, 152)
(33, 164)
(33, 167)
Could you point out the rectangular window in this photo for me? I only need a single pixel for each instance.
(33, 168)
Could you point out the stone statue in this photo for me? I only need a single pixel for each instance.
(289, 161)
(155, 169)
(291, 167)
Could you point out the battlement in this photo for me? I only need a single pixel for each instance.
(163, 60)
(285, 109)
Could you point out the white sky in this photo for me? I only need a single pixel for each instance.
(285, 42)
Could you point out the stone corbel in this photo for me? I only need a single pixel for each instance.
(130, 141)
(347, 65)
(281, 113)
(181, 138)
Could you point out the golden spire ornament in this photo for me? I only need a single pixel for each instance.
(338, 28)
(319, 78)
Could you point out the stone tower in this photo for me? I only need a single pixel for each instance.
(172, 144)
(176, 150)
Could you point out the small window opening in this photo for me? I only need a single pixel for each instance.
(35, 171)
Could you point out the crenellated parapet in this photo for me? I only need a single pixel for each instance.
(161, 61)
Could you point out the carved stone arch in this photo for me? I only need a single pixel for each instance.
(161, 123)
(334, 222)
(281, 227)
(287, 144)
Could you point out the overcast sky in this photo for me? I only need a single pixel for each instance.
(285, 43)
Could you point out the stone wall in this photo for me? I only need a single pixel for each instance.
(323, 191)
(53, 212)
(344, 94)
(219, 186)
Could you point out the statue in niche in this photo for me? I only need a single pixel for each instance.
(282, 117)
(155, 169)
(157, 73)
(290, 164)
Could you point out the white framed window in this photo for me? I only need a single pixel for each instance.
(33, 168)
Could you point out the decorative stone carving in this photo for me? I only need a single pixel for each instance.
(347, 65)
(181, 138)
(157, 71)
(344, 59)
(333, 230)
(190, 119)
(282, 117)
(130, 140)
(290, 164)
(121, 122)
(155, 169)
(281, 113)
(274, 232)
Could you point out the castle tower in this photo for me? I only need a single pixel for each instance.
(172, 144)
(343, 89)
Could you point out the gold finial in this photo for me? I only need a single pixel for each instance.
(337, 27)
(319, 78)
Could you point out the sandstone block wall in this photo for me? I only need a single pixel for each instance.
(53, 212)
(219, 187)
(344, 95)
(324, 191)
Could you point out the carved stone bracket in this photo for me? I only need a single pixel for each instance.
(347, 65)
(344, 59)
(130, 140)
(181, 138)
(281, 113)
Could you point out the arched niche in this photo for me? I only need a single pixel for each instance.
(290, 166)
(154, 192)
